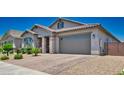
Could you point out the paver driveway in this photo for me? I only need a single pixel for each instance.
(72, 64)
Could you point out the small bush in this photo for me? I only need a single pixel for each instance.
(4, 57)
(1, 49)
(24, 50)
(4, 52)
(35, 51)
(18, 51)
(11, 52)
(18, 56)
(29, 50)
(122, 72)
(40, 50)
(7, 47)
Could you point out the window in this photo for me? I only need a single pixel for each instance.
(28, 42)
(60, 25)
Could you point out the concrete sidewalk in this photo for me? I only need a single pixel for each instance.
(10, 69)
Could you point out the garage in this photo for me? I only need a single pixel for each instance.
(76, 44)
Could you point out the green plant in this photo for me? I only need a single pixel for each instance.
(7, 48)
(122, 72)
(23, 50)
(35, 51)
(4, 52)
(1, 49)
(29, 50)
(4, 57)
(18, 51)
(18, 56)
(40, 50)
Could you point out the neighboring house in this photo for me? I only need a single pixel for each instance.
(12, 36)
(67, 36)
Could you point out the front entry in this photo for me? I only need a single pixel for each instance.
(40, 42)
(47, 44)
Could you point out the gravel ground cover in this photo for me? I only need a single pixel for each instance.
(70, 64)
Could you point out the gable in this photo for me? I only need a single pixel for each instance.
(110, 35)
(67, 23)
(7, 38)
(42, 32)
(28, 34)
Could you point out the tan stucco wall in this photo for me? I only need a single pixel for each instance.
(104, 37)
(18, 42)
(99, 41)
(95, 42)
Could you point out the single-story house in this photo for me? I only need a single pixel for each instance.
(13, 37)
(67, 36)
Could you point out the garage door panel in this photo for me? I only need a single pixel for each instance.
(79, 44)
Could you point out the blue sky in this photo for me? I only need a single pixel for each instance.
(115, 25)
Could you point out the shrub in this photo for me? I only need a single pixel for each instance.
(18, 51)
(40, 50)
(23, 50)
(7, 48)
(29, 50)
(4, 57)
(1, 49)
(35, 51)
(122, 72)
(18, 56)
(4, 52)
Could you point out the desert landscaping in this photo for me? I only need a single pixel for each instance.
(72, 64)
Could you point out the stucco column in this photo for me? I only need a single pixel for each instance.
(52, 44)
(57, 44)
(22, 43)
(13, 43)
(43, 45)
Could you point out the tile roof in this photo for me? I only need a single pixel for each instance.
(15, 33)
(78, 27)
(29, 31)
(32, 32)
(45, 27)
(68, 29)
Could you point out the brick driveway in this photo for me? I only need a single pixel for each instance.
(68, 64)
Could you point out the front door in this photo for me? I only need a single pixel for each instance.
(47, 44)
(40, 42)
